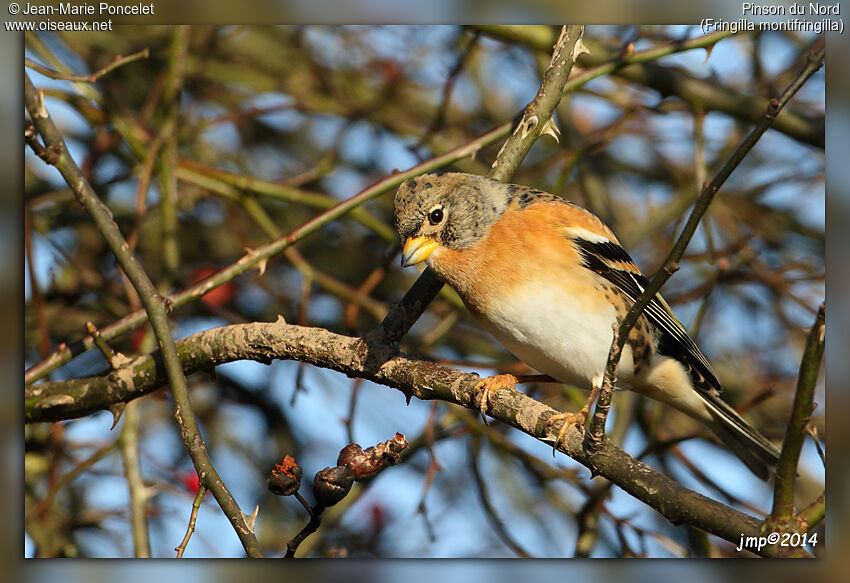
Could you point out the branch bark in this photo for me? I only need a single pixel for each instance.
(370, 359)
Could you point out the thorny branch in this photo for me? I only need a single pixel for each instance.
(373, 360)
(154, 308)
(671, 264)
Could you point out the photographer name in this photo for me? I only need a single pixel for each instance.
(750, 9)
(102, 8)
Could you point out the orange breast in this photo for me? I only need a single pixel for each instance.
(522, 247)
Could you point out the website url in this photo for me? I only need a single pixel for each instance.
(58, 25)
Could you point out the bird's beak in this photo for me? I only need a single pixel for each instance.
(416, 250)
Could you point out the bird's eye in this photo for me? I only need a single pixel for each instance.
(436, 216)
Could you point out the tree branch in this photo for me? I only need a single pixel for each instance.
(708, 95)
(128, 443)
(786, 470)
(154, 307)
(536, 116)
(671, 264)
(91, 78)
(368, 359)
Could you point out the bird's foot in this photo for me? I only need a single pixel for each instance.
(579, 418)
(488, 386)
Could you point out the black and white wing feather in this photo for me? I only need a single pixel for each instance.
(609, 260)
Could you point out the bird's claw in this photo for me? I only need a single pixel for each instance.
(490, 385)
(579, 418)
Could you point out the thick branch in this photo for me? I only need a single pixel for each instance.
(372, 360)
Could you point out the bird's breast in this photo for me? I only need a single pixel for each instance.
(565, 337)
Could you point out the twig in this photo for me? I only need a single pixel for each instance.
(101, 344)
(352, 406)
(428, 438)
(128, 444)
(167, 175)
(142, 189)
(489, 511)
(91, 78)
(193, 517)
(364, 289)
(155, 309)
(538, 112)
(35, 289)
(440, 117)
(309, 528)
(310, 273)
(230, 184)
(588, 520)
(786, 470)
(670, 265)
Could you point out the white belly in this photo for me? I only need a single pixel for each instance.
(543, 328)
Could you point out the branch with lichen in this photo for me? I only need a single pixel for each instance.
(371, 359)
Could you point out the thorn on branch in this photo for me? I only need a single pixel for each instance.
(117, 411)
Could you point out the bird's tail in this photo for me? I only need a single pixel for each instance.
(748, 444)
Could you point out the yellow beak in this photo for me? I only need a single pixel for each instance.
(416, 250)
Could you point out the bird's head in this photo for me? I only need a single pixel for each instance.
(452, 210)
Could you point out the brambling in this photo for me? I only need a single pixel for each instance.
(550, 282)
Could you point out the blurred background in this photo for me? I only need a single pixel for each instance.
(226, 137)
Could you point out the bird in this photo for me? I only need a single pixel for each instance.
(550, 281)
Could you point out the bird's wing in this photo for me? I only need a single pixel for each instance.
(609, 260)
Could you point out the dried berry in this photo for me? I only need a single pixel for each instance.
(285, 478)
(332, 484)
(349, 454)
(365, 464)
